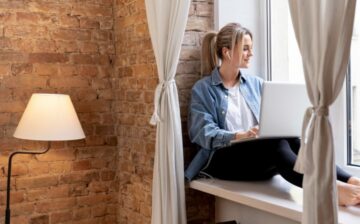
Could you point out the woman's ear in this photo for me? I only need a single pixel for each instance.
(226, 52)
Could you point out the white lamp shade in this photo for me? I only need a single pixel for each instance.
(49, 117)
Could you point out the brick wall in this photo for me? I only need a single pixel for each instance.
(64, 47)
(135, 82)
(69, 47)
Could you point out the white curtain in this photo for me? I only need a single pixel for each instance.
(167, 21)
(323, 30)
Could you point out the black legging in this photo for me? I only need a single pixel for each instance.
(260, 160)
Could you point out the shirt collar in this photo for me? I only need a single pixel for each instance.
(216, 79)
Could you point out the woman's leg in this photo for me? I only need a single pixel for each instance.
(260, 160)
(284, 156)
(256, 160)
(348, 194)
(244, 161)
(290, 157)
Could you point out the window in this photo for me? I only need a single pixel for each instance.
(353, 99)
(285, 58)
(286, 65)
(277, 58)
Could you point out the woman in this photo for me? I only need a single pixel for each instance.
(225, 106)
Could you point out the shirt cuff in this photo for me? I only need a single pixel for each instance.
(228, 137)
(224, 141)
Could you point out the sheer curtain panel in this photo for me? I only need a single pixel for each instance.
(323, 31)
(167, 21)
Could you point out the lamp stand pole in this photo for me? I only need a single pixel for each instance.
(7, 210)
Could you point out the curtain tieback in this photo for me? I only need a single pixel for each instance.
(319, 111)
(156, 118)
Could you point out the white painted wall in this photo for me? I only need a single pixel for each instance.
(252, 15)
(227, 211)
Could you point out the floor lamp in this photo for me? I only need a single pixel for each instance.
(47, 117)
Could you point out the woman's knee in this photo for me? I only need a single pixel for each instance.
(281, 144)
(283, 151)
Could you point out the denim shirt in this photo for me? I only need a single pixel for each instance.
(207, 112)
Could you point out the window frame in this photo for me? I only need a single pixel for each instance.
(261, 23)
(349, 120)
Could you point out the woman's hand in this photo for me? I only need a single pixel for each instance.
(251, 133)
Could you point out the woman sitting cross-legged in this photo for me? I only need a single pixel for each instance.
(225, 105)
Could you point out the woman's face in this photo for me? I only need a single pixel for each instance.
(241, 59)
(247, 52)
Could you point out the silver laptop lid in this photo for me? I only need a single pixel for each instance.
(282, 109)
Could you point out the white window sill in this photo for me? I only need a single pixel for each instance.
(275, 196)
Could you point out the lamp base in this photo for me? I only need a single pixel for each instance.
(7, 210)
(7, 216)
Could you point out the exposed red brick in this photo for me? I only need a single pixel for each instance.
(26, 81)
(7, 18)
(45, 69)
(69, 21)
(99, 52)
(5, 95)
(11, 107)
(38, 168)
(22, 45)
(36, 182)
(79, 177)
(47, 58)
(43, 219)
(67, 46)
(76, 82)
(57, 155)
(27, 18)
(89, 47)
(55, 205)
(102, 35)
(15, 197)
(62, 191)
(81, 165)
(82, 213)
(22, 209)
(36, 194)
(26, 31)
(107, 175)
(99, 211)
(60, 167)
(13, 57)
(19, 169)
(93, 200)
(92, 11)
(71, 34)
(20, 219)
(47, 45)
(89, 23)
(83, 59)
(106, 24)
(19, 69)
(61, 217)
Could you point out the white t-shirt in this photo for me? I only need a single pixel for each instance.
(239, 117)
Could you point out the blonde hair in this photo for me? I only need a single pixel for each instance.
(213, 43)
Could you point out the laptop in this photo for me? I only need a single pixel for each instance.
(282, 110)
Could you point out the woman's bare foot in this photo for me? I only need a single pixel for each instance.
(354, 181)
(348, 194)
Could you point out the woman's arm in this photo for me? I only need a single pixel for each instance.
(203, 122)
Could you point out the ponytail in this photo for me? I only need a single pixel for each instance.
(209, 59)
